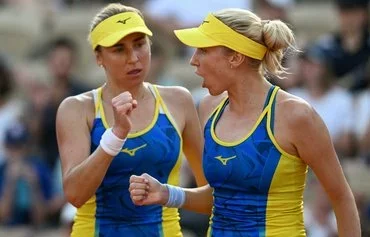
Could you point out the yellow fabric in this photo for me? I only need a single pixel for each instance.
(213, 32)
(108, 32)
(285, 199)
(170, 216)
(84, 223)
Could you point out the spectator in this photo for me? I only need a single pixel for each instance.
(362, 117)
(9, 107)
(61, 58)
(25, 182)
(274, 9)
(349, 48)
(322, 92)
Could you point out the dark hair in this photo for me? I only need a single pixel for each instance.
(6, 78)
(62, 42)
(350, 4)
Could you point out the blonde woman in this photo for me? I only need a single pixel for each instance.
(259, 140)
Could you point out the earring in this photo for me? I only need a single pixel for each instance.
(100, 65)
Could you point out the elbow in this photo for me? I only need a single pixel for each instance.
(75, 200)
(74, 197)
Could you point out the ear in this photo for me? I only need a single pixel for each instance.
(98, 58)
(236, 59)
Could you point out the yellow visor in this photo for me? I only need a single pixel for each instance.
(108, 32)
(213, 32)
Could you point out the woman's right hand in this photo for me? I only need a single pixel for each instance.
(123, 104)
(146, 190)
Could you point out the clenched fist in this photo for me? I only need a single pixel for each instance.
(123, 104)
(146, 190)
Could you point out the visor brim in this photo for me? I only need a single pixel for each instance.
(117, 36)
(193, 37)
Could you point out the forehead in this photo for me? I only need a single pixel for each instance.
(218, 50)
(131, 38)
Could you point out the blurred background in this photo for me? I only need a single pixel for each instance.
(45, 57)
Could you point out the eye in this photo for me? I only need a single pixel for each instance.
(202, 50)
(118, 49)
(140, 43)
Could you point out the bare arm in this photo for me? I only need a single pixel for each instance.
(201, 199)
(193, 139)
(146, 190)
(315, 147)
(73, 136)
(198, 199)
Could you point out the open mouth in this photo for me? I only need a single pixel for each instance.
(134, 72)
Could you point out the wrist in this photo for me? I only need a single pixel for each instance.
(176, 196)
(110, 143)
(120, 132)
(164, 194)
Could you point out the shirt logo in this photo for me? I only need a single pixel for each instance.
(132, 152)
(224, 160)
(123, 21)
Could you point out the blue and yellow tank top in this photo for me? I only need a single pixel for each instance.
(258, 187)
(156, 150)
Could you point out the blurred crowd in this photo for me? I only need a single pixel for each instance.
(45, 57)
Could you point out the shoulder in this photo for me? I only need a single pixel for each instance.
(296, 112)
(175, 94)
(82, 103)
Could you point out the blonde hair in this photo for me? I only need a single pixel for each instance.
(274, 34)
(111, 10)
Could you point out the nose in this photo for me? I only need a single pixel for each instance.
(132, 56)
(193, 59)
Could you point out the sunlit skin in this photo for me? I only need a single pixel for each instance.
(211, 64)
(128, 107)
(127, 63)
(298, 130)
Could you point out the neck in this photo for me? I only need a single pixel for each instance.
(248, 94)
(111, 90)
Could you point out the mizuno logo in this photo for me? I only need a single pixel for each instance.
(132, 152)
(204, 22)
(123, 21)
(224, 160)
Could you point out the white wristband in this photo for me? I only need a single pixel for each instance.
(110, 143)
(176, 196)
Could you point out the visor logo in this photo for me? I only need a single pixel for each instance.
(123, 21)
